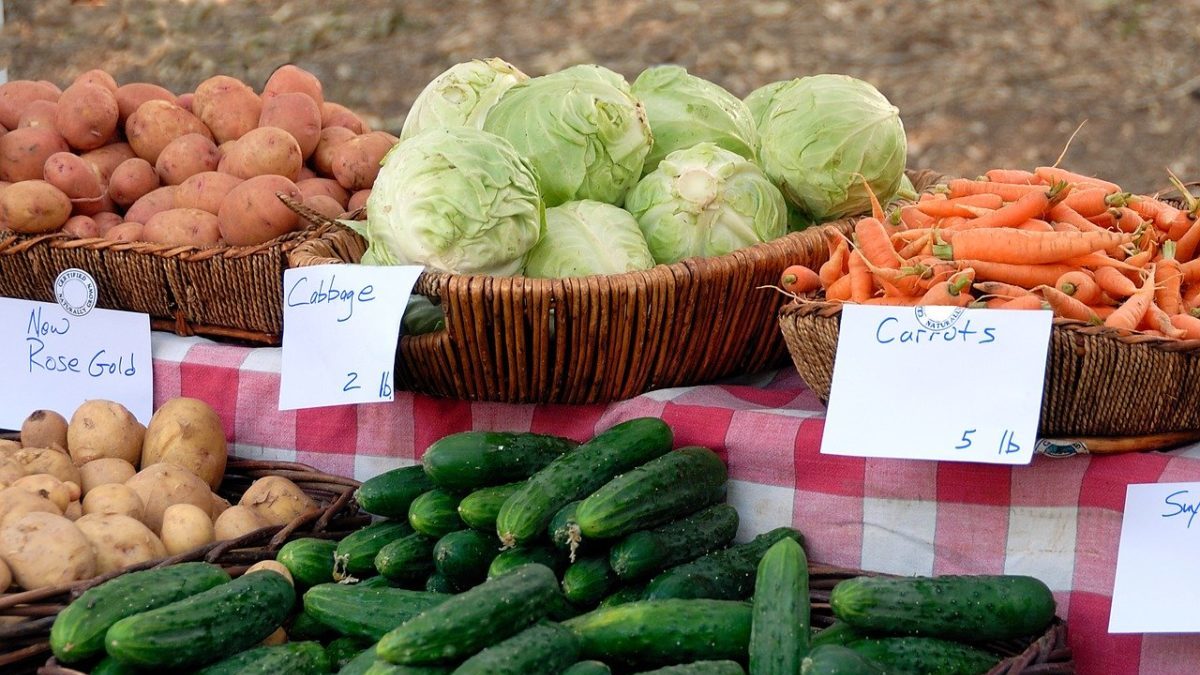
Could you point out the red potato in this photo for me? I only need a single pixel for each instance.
(87, 115)
(91, 207)
(253, 214)
(108, 158)
(324, 205)
(125, 232)
(184, 157)
(331, 137)
(82, 227)
(323, 186)
(263, 151)
(40, 113)
(151, 203)
(157, 123)
(132, 180)
(337, 115)
(107, 220)
(356, 162)
(227, 106)
(15, 96)
(293, 79)
(98, 77)
(131, 96)
(305, 173)
(183, 227)
(213, 87)
(34, 207)
(358, 200)
(205, 191)
(23, 152)
(297, 114)
(75, 177)
(185, 101)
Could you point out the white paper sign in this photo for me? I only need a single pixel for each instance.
(1155, 589)
(54, 360)
(937, 383)
(340, 327)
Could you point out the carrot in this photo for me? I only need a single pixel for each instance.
(799, 279)
(1059, 226)
(952, 291)
(1064, 213)
(1032, 205)
(839, 290)
(876, 209)
(915, 246)
(1132, 311)
(1015, 176)
(1161, 320)
(1053, 174)
(1168, 281)
(1066, 306)
(874, 243)
(1001, 289)
(1079, 285)
(1187, 323)
(961, 187)
(1029, 301)
(1102, 311)
(1190, 269)
(1191, 298)
(1163, 214)
(835, 267)
(1087, 202)
(914, 218)
(861, 286)
(1006, 245)
(899, 281)
(1126, 219)
(1099, 259)
(895, 300)
(1186, 245)
(1140, 260)
(1020, 275)
(942, 208)
(1035, 225)
(1114, 283)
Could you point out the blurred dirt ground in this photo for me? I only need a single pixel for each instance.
(979, 84)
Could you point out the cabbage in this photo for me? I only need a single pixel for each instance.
(587, 139)
(589, 71)
(820, 132)
(759, 101)
(456, 200)
(685, 110)
(706, 201)
(588, 237)
(461, 96)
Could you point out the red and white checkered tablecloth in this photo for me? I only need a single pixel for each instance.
(1057, 519)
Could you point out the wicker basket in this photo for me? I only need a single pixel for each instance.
(1105, 391)
(24, 645)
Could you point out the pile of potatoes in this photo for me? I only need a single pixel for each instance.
(74, 504)
(137, 162)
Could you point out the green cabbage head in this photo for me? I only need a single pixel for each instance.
(685, 110)
(461, 96)
(759, 101)
(588, 237)
(591, 71)
(587, 139)
(821, 131)
(706, 201)
(456, 200)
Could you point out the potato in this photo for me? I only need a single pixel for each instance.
(81, 227)
(277, 500)
(290, 78)
(15, 503)
(205, 191)
(125, 232)
(335, 115)
(131, 96)
(184, 157)
(119, 541)
(185, 101)
(227, 106)
(279, 637)
(188, 433)
(326, 206)
(73, 511)
(182, 227)
(45, 485)
(105, 160)
(91, 207)
(101, 428)
(271, 566)
(132, 180)
(296, 113)
(10, 471)
(73, 490)
(162, 484)
(253, 214)
(323, 186)
(186, 527)
(331, 137)
(235, 522)
(219, 505)
(114, 498)
(107, 220)
(23, 152)
(155, 201)
(46, 549)
(356, 162)
(97, 77)
(7, 447)
(15, 96)
(358, 200)
(39, 114)
(5, 576)
(48, 460)
(264, 151)
(75, 177)
(44, 429)
(87, 115)
(104, 471)
(157, 123)
(33, 207)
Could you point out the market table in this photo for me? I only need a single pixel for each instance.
(1058, 519)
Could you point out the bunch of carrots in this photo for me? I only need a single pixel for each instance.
(1014, 239)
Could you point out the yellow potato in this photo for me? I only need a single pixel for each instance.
(46, 549)
(296, 113)
(7, 446)
(182, 227)
(161, 485)
(101, 428)
(277, 500)
(48, 460)
(151, 203)
(252, 213)
(73, 511)
(264, 151)
(114, 498)
(186, 527)
(187, 432)
(104, 471)
(73, 490)
(219, 505)
(157, 123)
(119, 541)
(185, 157)
(33, 207)
(235, 522)
(87, 115)
(15, 503)
(5, 576)
(205, 191)
(45, 485)
(271, 566)
(10, 471)
(16, 95)
(44, 429)
(131, 180)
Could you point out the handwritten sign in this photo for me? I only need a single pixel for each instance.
(1155, 590)
(937, 383)
(54, 360)
(340, 327)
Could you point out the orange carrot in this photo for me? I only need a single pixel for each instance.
(961, 187)
(1140, 260)
(1001, 289)
(912, 216)
(1028, 206)
(876, 209)
(1020, 275)
(799, 279)
(1113, 282)
(874, 243)
(1064, 213)
(1191, 298)
(1066, 306)
(1163, 214)
(898, 300)
(1190, 269)
(1187, 323)
(1102, 311)
(1099, 259)
(951, 292)
(1035, 225)
(1088, 202)
(839, 290)
(1134, 309)
(1018, 247)
(1016, 176)
(1059, 226)
(1052, 174)
(915, 246)
(1079, 285)
(1168, 281)
(1161, 320)
(1186, 246)
(954, 207)
(861, 286)
(1029, 301)
(835, 267)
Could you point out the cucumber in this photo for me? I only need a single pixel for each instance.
(355, 555)
(300, 658)
(381, 667)
(479, 617)
(657, 492)
(664, 632)
(360, 663)
(366, 613)
(968, 608)
(564, 531)
(463, 557)
(390, 493)
(343, 650)
(630, 593)
(839, 633)
(727, 574)
(309, 560)
(437, 583)
(561, 609)
(305, 626)
(200, 629)
(78, 631)
(779, 634)
(832, 659)
(699, 668)
(110, 666)
(577, 474)
(543, 649)
(479, 509)
(588, 668)
(515, 557)
(648, 552)
(924, 656)
(587, 580)
(407, 559)
(435, 513)
(475, 459)
(379, 581)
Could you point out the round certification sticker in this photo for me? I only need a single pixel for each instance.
(75, 291)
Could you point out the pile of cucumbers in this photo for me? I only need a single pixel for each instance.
(526, 554)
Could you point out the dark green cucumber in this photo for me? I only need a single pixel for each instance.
(355, 555)
(379, 581)
(630, 593)
(587, 580)
(651, 551)
(475, 459)
(588, 668)
(779, 635)
(577, 474)
(381, 667)
(110, 666)
(699, 668)
(564, 531)
(924, 656)
(969, 608)
(664, 632)
(479, 509)
(305, 626)
(201, 628)
(727, 574)
(543, 649)
(659, 491)
(832, 659)
(407, 559)
(470, 621)
(515, 557)
(360, 664)
(343, 650)
(838, 633)
(435, 513)
(390, 493)
(437, 583)
(309, 560)
(78, 631)
(464, 556)
(294, 658)
(366, 613)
